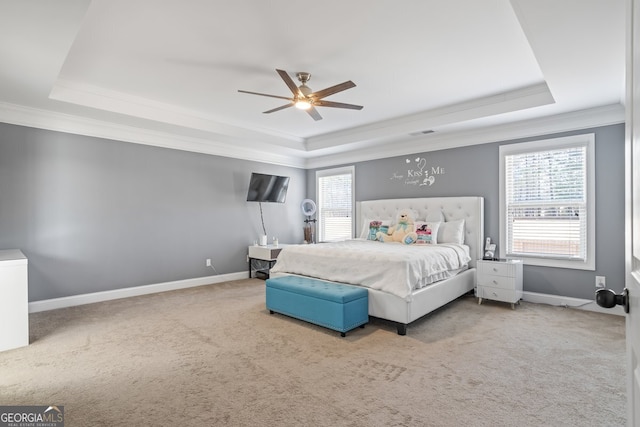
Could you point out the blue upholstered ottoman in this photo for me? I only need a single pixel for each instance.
(332, 305)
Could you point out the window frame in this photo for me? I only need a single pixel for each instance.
(345, 170)
(583, 140)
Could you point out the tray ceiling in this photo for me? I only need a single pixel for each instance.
(168, 73)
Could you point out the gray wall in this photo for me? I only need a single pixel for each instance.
(94, 214)
(473, 171)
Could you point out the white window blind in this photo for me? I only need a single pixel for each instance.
(547, 207)
(335, 204)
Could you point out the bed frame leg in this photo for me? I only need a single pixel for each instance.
(402, 329)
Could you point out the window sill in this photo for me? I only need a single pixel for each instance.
(557, 263)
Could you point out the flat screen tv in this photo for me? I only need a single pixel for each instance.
(267, 188)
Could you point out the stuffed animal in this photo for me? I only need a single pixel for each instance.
(403, 230)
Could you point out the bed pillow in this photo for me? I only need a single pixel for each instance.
(427, 232)
(371, 226)
(435, 216)
(451, 232)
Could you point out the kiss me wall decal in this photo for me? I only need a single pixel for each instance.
(418, 173)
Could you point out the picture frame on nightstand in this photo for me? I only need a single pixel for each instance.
(489, 251)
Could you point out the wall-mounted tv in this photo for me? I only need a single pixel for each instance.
(267, 188)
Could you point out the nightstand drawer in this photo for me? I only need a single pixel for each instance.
(497, 268)
(497, 294)
(502, 282)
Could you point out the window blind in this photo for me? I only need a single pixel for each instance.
(335, 207)
(546, 198)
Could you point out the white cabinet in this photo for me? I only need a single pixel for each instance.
(14, 300)
(499, 280)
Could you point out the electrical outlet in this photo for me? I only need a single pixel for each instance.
(601, 282)
(208, 262)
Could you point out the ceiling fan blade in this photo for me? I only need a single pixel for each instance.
(278, 108)
(333, 89)
(289, 82)
(321, 103)
(264, 94)
(314, 113)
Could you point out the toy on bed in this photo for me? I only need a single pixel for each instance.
(403, 231)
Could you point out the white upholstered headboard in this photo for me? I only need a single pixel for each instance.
(471, 209)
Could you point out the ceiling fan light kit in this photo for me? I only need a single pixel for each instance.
(306, 99)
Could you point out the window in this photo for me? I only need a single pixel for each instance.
(334, 189)
(547, 202)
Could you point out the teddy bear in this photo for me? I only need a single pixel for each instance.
(403, 231)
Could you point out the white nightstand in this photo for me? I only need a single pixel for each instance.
(267, 253)
(499, 280)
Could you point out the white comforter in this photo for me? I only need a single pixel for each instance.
(390, 267)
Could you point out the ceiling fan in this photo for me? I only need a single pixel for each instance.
(305, 99)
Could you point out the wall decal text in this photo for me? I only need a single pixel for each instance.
(418, 173)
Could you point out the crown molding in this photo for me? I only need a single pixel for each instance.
(136, 106)
(44, 119)
(267, 153)
(576, 120)
(506, 102)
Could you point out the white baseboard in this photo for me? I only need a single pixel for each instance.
(55, 303)
(582, 304)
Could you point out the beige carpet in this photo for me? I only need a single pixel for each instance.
(213, 356)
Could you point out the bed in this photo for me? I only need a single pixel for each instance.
(406, 293)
